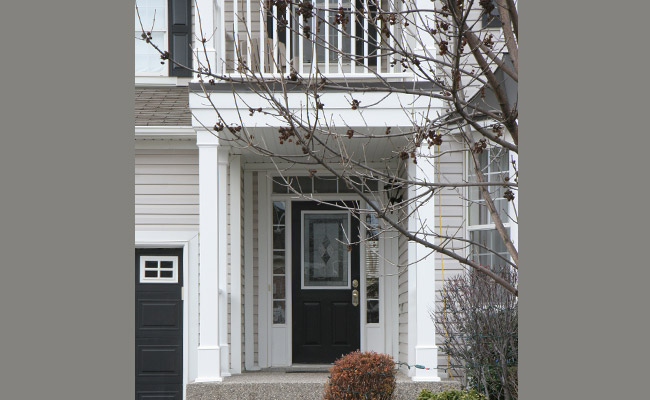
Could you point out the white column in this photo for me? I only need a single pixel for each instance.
(206, 12)
(422, 281)
(222, 219)
(209, 352)
(235, 263)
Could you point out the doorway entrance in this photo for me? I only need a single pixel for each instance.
(325, 282)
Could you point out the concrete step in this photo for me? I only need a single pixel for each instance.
(283, 385)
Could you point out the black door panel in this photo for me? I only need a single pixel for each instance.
(326, 324)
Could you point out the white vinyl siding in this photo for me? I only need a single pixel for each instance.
(450, 214)
(243, 275)
(256, 263)
(402, 297)
(403, 285)
(166, 189)
(228, 264)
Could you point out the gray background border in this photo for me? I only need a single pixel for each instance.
(584, 303)
(66, 200)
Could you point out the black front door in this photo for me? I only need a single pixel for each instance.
(158, 324)
(325, 282)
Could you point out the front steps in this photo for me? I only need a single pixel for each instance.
(292, 385)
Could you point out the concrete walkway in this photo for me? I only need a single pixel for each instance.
(284, 385)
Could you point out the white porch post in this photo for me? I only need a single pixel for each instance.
(222, 212)
(422, 281)
(422, 347)
(204, 23)
(209, 351)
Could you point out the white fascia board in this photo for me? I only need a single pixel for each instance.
(392, 109)
(143, 80)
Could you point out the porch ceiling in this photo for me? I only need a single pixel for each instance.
(370, 142)
(361, 147)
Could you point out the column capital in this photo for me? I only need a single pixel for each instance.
(206, 139)
(223, 153)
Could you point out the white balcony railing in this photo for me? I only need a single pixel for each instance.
(339, 38)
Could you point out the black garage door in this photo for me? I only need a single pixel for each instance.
(158, 324)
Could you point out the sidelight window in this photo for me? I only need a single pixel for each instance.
(279, 263)
(372, 268)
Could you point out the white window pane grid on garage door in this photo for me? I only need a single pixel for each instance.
(158, 269)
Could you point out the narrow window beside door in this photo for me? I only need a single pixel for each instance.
(372, 268)
(279, 260)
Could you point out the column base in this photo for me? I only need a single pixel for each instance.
(427, 356)
(225, 360)
(209, 364)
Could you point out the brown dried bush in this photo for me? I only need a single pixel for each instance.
(363, 376)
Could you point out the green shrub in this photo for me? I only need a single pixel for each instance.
(363, 376)
(450, 395)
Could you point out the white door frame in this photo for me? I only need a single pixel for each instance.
(265, 201)
(189, 242)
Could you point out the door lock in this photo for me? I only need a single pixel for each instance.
(355, 283)
(355, 297)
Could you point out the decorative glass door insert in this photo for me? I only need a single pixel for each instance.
(325, 255)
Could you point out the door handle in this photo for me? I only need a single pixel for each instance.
(355, 297)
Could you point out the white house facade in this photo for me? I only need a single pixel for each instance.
(228, 260)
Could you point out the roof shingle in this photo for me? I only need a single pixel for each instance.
(158, 106)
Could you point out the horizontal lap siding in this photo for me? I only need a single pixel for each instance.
(167, 189)
(450, 210)
(256, 263)
(243, 275)
(402, 298)
(229, 268)
(402, 288)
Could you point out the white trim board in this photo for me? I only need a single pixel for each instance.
(165, 132)
(372, 336)
(161, 80)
